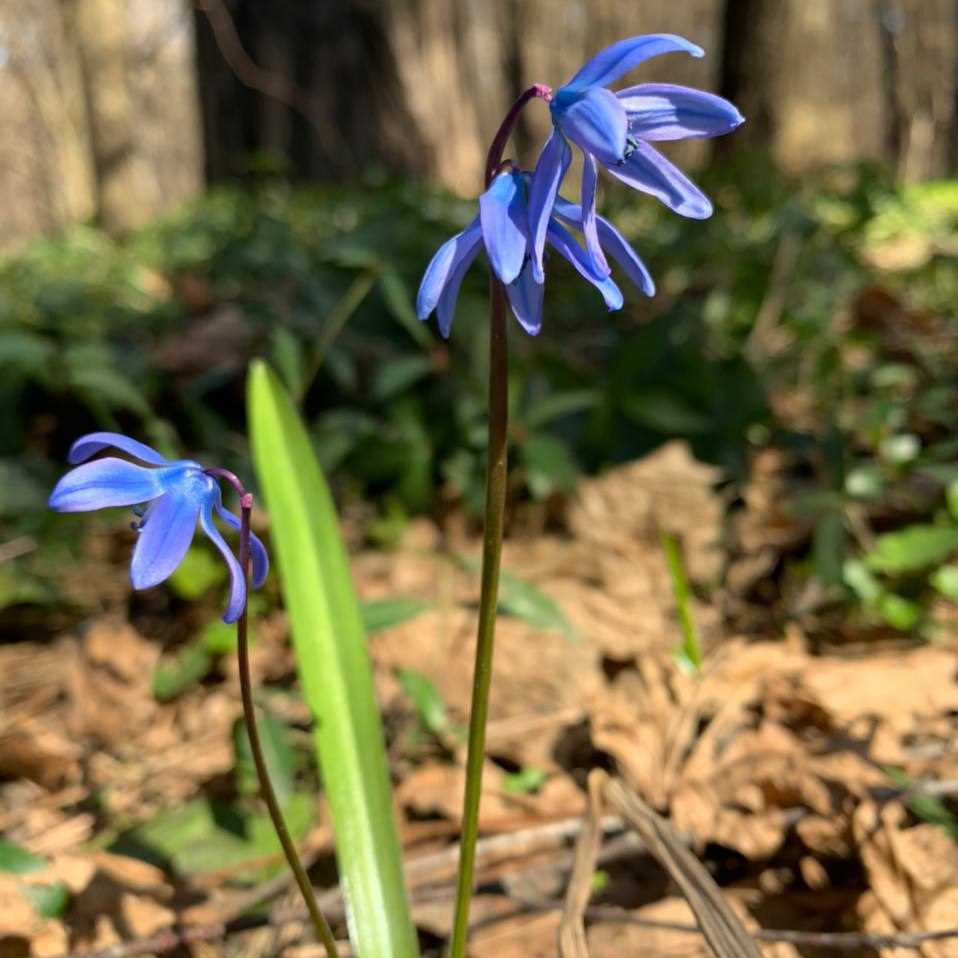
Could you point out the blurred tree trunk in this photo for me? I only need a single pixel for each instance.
(141, 105)
(826, 81)
(46, 173)
(125, 194)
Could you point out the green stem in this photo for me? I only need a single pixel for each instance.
(488, 601)
(266, 786)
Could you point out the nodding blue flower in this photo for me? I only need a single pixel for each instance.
(614, 130)
(168, 498)
(502, 229)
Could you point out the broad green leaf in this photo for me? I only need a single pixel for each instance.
(197, 573)
(278, 753)
(426, 698)
(379, 614)
(522, 600)
(397, 374)
(665, 413)
(334, 670)
(49, 901)
(558, 404)
(173, 676)
(860, 580)
(549, 465)
(900, 613)
(912, 549)
(525, 601)
(945, 580)
(191, 839)
(399, 303)
(527, 779)
(18, 860)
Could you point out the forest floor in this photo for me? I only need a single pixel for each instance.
(809, 768)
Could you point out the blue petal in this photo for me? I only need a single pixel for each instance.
(648, 170)
(444, 265)
(503, 215)
(616, 244)
(166, 534)
(92, 443)
(237, 599)
(590, 180)
(104, 483)
(525, 298)
(550, 169)
(562, 240)
(258, 556)
(609, 64)
(446, 308)
(596, 121)
(663, 111)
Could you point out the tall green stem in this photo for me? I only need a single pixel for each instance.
(488, 601)
(323, 931)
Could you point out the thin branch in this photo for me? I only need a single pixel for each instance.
(252, 75)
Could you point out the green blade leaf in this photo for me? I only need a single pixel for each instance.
(18, 860)
(379, 614)
(334, 669)
(912, 549)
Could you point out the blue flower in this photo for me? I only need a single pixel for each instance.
(614, 130)
(179, 493)
(502, 229)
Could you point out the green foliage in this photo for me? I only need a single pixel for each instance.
(205, 835)
(426, 698)
(831, 295)
(524, 782)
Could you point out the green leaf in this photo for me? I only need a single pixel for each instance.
(299, 810)
(334, 669)
(49, 901)
(665, 413)
(558, 404)
(828, 547)
(689, 653)
(549, 466)
(525, 601)
(859, 579)
(172, 677)
(288, 356)
(196, 574)
(912, 549)
(17, 860)
(379, 614)
(951, 496)
(190, 839)
(426, 698)
(527, 780)
(522, 600)
(278, 753)
(399, 303)
(900, 613)
(25, 352)
(945, 580)
(397, 374)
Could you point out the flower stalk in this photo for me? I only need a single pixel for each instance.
(323, 931)
(496, 468)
